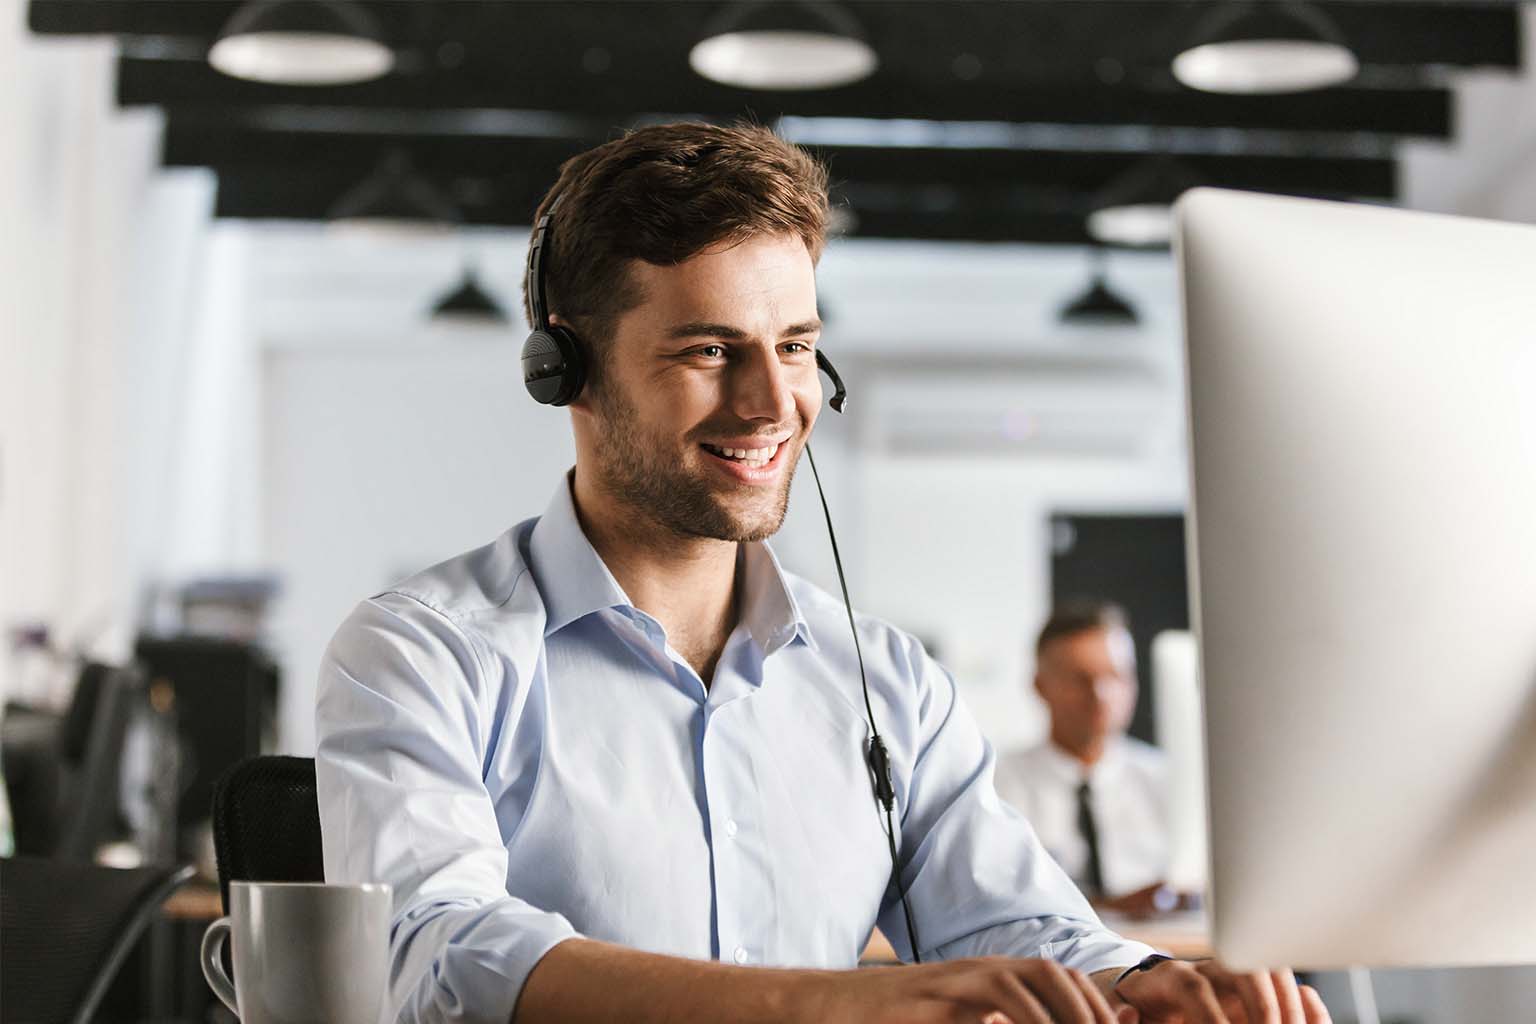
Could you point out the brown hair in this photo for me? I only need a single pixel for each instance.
(663, 194)
(1079, 617)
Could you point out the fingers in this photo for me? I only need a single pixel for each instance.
(1061, 990)
(1284, 982)
(1018, 1002)
(991, 988)
(1255, 991)
(1181, 985)
(1098, 1006)
(1312, 1006)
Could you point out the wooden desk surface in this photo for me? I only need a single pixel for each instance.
(1184, 935)
(196, 901)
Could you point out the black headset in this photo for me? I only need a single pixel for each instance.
(554, 370)
(554, 366)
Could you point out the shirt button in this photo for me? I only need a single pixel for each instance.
(730, 828)
(741, 954)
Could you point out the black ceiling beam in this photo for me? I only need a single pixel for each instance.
(219, 143)
(1051, 219)
(1056, 38)
(1423, 112)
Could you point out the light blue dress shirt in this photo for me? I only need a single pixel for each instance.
(515, 748)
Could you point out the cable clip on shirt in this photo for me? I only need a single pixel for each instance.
(879, 760)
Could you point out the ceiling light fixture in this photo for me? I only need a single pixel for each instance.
(302, 42)
(1136, 209)
(469, 304)
(1097, 305)
(393, 200)
(784, 44)
(1246, 48)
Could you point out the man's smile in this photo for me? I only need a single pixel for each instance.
(748, 461)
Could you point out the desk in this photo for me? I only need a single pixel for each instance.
(195, 901)
(1186, 934)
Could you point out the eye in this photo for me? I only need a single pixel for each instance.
(710, 351)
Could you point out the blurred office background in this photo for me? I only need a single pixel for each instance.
(259, 350)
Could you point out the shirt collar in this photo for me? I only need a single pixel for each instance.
(574, 582)
(768, 608)
(1070, 769)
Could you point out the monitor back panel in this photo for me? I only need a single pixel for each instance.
(1362, 401)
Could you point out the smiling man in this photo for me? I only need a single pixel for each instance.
(613, 763)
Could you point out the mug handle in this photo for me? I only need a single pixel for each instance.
(213, 964)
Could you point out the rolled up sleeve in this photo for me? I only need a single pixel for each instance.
(403, 725)
(979, 881)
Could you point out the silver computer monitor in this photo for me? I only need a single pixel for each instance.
(1362, 404)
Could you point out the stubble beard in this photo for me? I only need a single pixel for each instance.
(645, 478)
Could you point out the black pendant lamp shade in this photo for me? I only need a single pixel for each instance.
(302, 42)
(784, 44)
(1098, 305)
(1247, 47)
(469, 303)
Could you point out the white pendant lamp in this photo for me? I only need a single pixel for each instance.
(1251, 48)
(784, 44)
(1136, 209)
(302, 42)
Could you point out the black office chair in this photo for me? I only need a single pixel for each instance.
(91, 743)
(66, 928)
(266, 823)
(64, 771)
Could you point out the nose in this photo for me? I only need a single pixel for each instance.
(761, 389)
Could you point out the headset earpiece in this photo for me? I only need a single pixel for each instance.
(554, 368)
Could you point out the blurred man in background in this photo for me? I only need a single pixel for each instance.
(1096, 797)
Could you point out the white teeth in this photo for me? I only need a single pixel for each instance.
(755, 457)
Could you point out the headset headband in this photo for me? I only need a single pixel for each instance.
(536, 268)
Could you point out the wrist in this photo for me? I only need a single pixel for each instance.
(1146, 963)
(808, 997)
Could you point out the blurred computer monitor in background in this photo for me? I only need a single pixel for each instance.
(1362, 391)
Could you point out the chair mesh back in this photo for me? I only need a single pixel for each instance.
(65, 927)
(266, 823)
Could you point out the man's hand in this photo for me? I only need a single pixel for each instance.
(1205, 992)
(988, 990)
(1148, 902)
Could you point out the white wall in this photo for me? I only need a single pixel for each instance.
(382, 462)
(84, 221)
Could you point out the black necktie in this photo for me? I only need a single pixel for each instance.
(1093, 874)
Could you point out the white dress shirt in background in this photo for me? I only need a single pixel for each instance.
(1129, 787)
(515, 748)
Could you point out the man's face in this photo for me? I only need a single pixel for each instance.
(1088, 680)
(719, 357)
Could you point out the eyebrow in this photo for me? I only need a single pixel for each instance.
(702, 328)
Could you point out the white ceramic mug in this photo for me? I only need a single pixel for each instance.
(303, 952)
